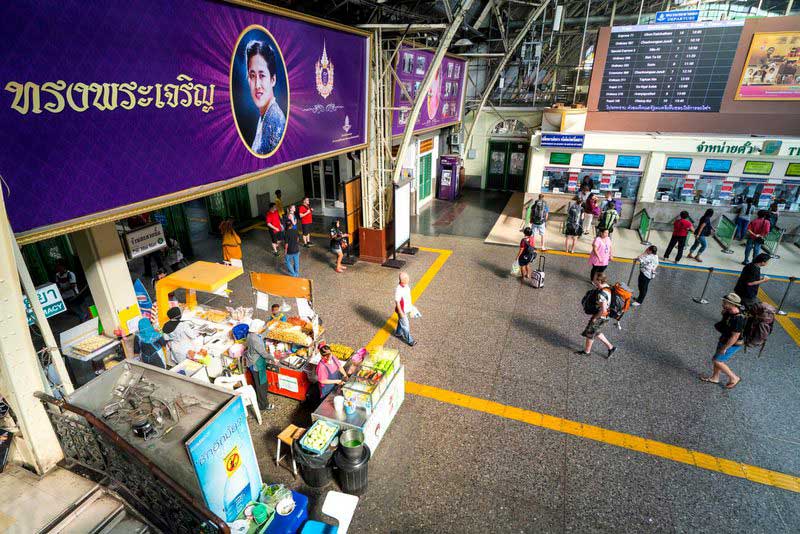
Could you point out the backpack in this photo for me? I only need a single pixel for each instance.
(574, 214)
(759, 320)
(590, 301)
(537, 213)
(609, 218)
(621, 296)
(529, 254)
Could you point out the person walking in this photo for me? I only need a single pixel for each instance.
(275, 227)
(305, 211)
(704, 229)
(403, 306)
(150, 345)
(291, 243)
(526, 253)
(757, 232)
(279, 202)
(231, 242)
(601, 296)
(750, 279)
(540, 212)
(338, 244)
(730, 341)
(746, 212)
(600, 256)
(573, 226)
(680, 229)
(648, 263)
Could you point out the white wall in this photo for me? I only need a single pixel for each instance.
(289, 182)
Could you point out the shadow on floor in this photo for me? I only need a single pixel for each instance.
(375, 318)
(499, 272)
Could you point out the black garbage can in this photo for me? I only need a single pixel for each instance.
(315, 469)
(352, 472)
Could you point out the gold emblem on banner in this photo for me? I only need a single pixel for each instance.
(324, 70)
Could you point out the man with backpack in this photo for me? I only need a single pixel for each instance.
(574, 228)
(540, 211)
(597, 303)
(609, 218)
(730, 341)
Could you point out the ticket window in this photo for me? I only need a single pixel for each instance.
(556, 180)
(703, 191)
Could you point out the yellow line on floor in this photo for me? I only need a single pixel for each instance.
(416, 291)
(627, 441)
(785, 322)
(793, 315)
(610, 437)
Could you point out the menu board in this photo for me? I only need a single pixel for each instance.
(668, 67)
(442, 105)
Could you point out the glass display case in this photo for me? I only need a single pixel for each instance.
(556, 180)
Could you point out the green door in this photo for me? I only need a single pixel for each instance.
(424, 189)
(507, 165)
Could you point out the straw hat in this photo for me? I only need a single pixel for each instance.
(732, 298)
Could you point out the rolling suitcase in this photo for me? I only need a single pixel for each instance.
(537, 276)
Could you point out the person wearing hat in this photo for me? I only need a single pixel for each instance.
(330, 371)
(149, 344)
(730, 340)
(182, 335)
(257, 359)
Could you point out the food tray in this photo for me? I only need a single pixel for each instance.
(333, 434)
(91, 344)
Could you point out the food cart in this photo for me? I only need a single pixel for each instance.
(293, 343)
(372, 396)
(215, 325)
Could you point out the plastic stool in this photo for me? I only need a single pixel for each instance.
(340, 506)
(287, 437)
(318, 527)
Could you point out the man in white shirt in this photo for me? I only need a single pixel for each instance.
(403, 306)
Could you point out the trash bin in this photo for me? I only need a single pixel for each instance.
(352, 472)
(314, 468)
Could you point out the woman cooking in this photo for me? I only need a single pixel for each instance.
(330, 371)
(183, 335)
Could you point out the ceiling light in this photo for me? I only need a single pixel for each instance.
(463, 42)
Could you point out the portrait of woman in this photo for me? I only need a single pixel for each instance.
(259, 91)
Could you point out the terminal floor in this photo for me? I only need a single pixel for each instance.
(448, 468)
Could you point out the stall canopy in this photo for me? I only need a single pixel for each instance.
(199, 276)
(282, 286)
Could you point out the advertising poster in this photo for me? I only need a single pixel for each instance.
(442, 106)
(771, 71)
(109, 105)
(225, 462)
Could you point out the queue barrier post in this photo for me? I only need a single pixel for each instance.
(785, 293)
(702, 298)
(633, 268)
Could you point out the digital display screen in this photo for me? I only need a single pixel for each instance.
(630, 162)
(793, 169)
(679, 164)
(594, 160)
(668, 67)
(758, 167)
(560, 158)
(717, 165)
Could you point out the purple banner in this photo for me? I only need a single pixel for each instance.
(443, 104)
(109, 104)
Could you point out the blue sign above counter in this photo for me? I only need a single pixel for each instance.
(562, 140)
(668, 17)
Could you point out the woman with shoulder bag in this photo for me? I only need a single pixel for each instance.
(526, 254)
(704, 229)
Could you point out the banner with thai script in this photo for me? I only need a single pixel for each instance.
(444, 100)
(106, 105)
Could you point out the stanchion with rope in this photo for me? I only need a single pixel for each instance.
(788, 287)
(701, 299)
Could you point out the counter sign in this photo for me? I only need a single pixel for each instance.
(143, 241)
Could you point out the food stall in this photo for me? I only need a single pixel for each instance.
(88, 353)
(293, 342)
(213, 324)
(371, 396)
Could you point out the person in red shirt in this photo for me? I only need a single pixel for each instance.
(680, 229)
(757, 232)
(305, 212)
(275, 227)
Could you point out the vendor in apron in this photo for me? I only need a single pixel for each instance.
(330, 371)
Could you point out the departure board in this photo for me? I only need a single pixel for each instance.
(668, 67)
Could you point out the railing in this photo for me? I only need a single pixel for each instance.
(772, 240)
(90, 443)
(645, 225)
(724, 233)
